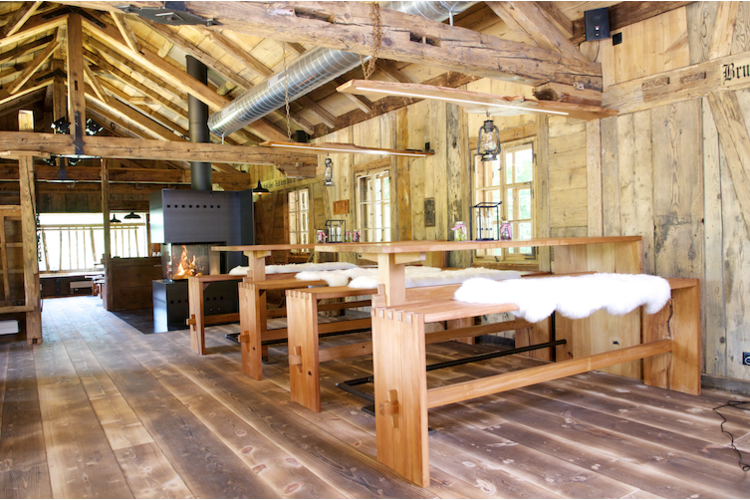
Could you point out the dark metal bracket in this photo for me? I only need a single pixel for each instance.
(173, 14)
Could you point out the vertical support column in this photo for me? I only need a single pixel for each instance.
(304, 356)
(594, 177)
(32, 295)
(108, 295)
(399, 369)
(542, 192)
(76, 85)
(256, 261)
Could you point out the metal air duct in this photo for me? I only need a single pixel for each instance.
(310, 71)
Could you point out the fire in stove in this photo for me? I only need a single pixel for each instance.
(186, 267)
(179, 262)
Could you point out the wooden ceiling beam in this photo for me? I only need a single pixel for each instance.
(237, 52)
(347, 26)
(22, 102)
(25, 49)
(19, 18)
(153, 63)
(35, 26)
(32, 68)
(313, 107)
(113, 124)
(30, 87)
(188, 46)
(126, 31)
(95, 85)
(147, 111)
(112, 147)
(358, 101)
(152, 128)
(561, 20)
(532, 22)
(389, 68)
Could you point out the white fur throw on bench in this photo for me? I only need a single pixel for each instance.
(342, 277)
(296, 268)
(574, 297)
(418, 276)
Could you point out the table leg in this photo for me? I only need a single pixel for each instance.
(399, 368)
(251, 328)
(393, 276)
(304, 358)
(195, 320)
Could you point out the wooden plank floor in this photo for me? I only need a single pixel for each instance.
(101, 410)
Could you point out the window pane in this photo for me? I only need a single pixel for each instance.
(509, 203)
(303, 200)
(524, 163)
(509, 168)
(496, 179)
(524, 203)
(386, 215)
(303, 221)
(293, 223)
(293, 201)
(524, 230)
(386, 187)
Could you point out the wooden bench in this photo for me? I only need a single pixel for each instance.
(670, 349)
(197, 319)
(254, 319)
(305, 355)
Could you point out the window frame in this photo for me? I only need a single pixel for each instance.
(386, 215)
(504, 255)
(293, 208)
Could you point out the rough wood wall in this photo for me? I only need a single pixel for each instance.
(659, 173)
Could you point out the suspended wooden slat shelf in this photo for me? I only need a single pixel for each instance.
(337, 147)
(476, 102)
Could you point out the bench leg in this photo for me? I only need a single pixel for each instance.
(251, 326)
(679, 320)
(195, 308)
(304, 359)
(399, 367)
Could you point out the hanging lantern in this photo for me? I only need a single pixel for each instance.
(488, 144)
(328, 173)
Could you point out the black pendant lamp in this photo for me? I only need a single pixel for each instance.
(132, 215)
(260, 190)
(114, 219)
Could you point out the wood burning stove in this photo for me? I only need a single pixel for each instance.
(188, 224)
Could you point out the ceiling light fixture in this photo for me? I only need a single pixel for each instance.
(260, 190)
(328, 173)
(336, 147)
(132, 215)
(114, 219)
(463, 101)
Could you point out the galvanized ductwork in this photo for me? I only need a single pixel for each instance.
(311, 71)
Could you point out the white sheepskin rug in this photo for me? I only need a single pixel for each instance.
(366, 277)
(574, 297)
(433, 276)
(297, 268)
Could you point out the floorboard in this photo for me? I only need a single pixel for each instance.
(101, 410)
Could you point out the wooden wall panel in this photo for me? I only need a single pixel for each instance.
(701, 17)
(678, 196)
(568, 194)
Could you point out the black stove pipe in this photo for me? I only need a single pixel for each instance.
(200, 172)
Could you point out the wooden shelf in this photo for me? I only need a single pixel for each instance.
(476, 102)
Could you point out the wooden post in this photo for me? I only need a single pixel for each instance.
(399, 368)
(251, 329)
(28, 225)
(76, 85)
(195, 322)
(107, 296)
(542, 196)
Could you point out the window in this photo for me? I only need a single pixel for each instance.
(75, 242)
(510, 180)
(374, 206)
(299, 218)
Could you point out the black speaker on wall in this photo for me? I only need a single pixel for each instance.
(597, 23)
